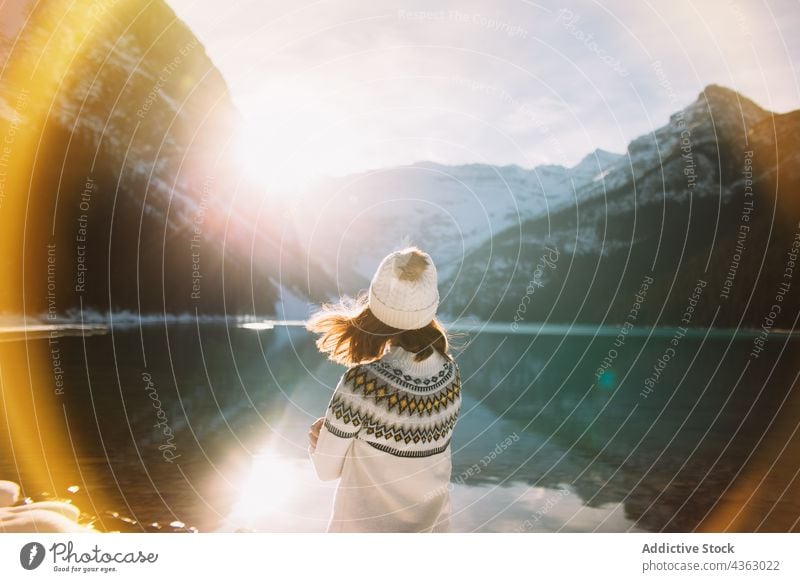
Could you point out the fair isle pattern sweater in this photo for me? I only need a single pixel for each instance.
(387, 437)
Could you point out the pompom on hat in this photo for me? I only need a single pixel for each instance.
(403, 292)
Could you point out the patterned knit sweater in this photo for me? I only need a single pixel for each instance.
(387, 437)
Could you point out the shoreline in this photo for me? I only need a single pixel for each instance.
(37, 327)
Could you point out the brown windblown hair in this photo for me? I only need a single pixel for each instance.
(351, 334)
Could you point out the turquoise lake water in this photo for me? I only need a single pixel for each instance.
(562, 429)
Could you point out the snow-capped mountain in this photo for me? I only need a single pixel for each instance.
(350, 223)
(675, 209)
(123, 137)
(670, 208)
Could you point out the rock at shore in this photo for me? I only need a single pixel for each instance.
(40, 516)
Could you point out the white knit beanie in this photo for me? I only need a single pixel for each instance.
(403, 292)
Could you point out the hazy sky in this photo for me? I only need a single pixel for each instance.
(341, 86)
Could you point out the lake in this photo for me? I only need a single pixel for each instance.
(561, 429)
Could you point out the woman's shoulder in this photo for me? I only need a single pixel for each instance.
(430, 374)
(381, 387)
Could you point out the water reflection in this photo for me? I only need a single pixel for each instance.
(20, 330)
(542, 445)
(279, 494)
(283, 495)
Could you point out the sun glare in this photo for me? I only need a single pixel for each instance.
(264, 164)
(284, 150)
(268, 486)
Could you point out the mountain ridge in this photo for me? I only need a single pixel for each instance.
(607, 232)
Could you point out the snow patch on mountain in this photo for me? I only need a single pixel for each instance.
(354, 221)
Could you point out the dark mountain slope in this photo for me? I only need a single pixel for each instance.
(672, 212)
(123, 163)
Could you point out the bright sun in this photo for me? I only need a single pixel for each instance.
(273, 168)
(287, 141)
